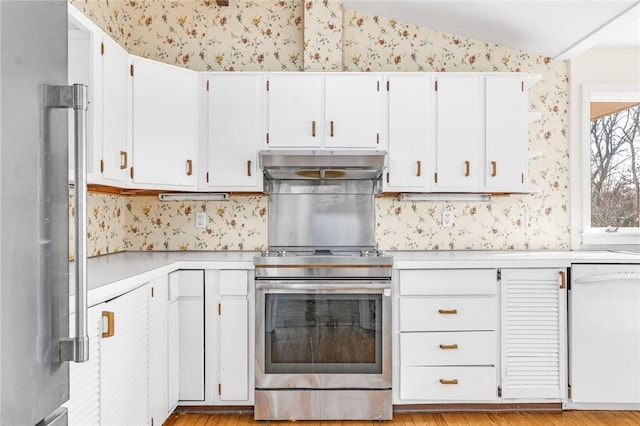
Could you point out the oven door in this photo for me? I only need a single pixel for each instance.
(319, 334)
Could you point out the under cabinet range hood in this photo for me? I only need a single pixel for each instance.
(321, 165)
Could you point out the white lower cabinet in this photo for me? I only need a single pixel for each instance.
(124, 373)
(534, 334)
(190, 341)
(84, 390)
(233, 325)
(160, 406)
(447, 323)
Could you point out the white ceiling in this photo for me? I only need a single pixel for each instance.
(556, 28)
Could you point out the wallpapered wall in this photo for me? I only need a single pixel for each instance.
(277, 35)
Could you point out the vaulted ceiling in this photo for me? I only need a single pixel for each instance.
(556, 28)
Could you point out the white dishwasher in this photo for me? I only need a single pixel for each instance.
(604, 338)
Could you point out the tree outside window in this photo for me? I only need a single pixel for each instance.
(615, 165)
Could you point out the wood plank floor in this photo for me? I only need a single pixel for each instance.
(569, 418)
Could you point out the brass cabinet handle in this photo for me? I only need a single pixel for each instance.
(563, 279)
(448, 311)
(419, 167)
(494, 170)
(189, 167)
(313, 128)
(248, 167)
(111, 324)
(123, 160)
(445, 347)
(467, 168)
(331, 126)
(449, 382)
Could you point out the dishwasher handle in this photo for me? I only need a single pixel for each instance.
(607, 277)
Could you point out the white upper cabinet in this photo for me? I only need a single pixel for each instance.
(459, 134)
(411, 133)
(85, 67)
(165, 119)
(115, 143)
(353, 104)
(296, 111)
(235, 131)
(316, 111)
(506, 133)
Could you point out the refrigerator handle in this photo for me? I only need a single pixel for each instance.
(75, 96)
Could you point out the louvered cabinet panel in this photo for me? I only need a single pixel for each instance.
(84, 402)
(534, 348)
(125, 358)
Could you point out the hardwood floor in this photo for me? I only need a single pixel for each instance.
(569, 418)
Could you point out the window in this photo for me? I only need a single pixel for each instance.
(611, 166)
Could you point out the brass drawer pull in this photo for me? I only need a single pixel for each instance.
(111, 324)
(419, 168)
(449, 382)
(189, 167)
(444, 347)
(313, 128)
(448, 311)
(494, 167)
(563, 280)
(467, 168)
(331, 125)
(123, 160)
(248, 167)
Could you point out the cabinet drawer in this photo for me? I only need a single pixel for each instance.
(449, 348)
(233, 283)
(448, 282)
(448, 383)
(447, 313)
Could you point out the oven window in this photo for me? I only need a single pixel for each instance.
(323, 334)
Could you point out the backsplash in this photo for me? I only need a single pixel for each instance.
(278, 35)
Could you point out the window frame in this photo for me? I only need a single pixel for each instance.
(598, 236)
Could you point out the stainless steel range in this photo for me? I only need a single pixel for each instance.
(323, 298)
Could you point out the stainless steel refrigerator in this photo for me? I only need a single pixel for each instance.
(34, 230)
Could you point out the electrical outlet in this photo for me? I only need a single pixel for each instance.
(201, 220)
(447, 218)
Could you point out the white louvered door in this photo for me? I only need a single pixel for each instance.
(534, 343)
(84, 402)
(125, 356)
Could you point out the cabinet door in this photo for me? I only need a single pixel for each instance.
(235, 131)
(84, 392)
(84, 62)
(411, 133)
(460, 133)
(295, 111)
(234, 337)
(158, 351)
(173, 341)
(190, 334)
(165, 111)
(506, 134)
(534, 347)
(115, 74)
(125, 355)
(353, 105)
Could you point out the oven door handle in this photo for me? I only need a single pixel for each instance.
(384, 288)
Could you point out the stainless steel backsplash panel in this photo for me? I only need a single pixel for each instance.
(321, 220)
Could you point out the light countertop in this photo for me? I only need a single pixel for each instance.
(115, 274)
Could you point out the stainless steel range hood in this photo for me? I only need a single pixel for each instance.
(323, 165)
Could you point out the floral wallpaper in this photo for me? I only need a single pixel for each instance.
(105, 224)
(323, 35)
(197, 34)
(237, 224)
(315, 35)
